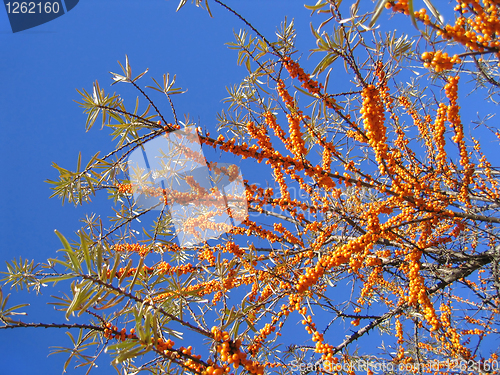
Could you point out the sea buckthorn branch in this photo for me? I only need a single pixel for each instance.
(298, 165)
(270, 120)
(454, 119)
(145, 121)
(481, 70)
(393, 166)
(348, 57)
(84, 175)
(174, 113)
(496, 270)
(412, 178)
(419, 246)
(485, 299)
(162, 268)
(140, 140)
(142, 250)
(231, 280)
(151, 103)
(270, 45)
(199, 194)
(302, 220)
(65, 187)
(231, 353)
(132, 297)
(125, 222)
(373, 118)
(476, 34)
(21, 324)
(165, 348)
(182, 356)
(158, 224)
(481, 261)
(481, 183)
(259, 209)
(312, 86)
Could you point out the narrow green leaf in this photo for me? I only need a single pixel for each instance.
(247, 65)
(320, 4)
(181, 4)
(115, 266)
(79, 162)
(208, 8)
(137, 272)
(9, 310)
(84, 308)
(434, 11)
(63, 240)
(74, 302)
(86, 252)
(4, 301)
(128, 354)
(125, 272)
(113, 302)
(147, 327)
(99, 260)
(250, 325)
(128, 68)
(412, 14)
(378, 11)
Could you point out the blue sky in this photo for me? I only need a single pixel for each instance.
(42, 67)
(40, 123)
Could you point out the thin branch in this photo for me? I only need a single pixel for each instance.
(20, 324)
(483, 73)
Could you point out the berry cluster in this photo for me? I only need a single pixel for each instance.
(230, 352)
(439, 130)
(234, 249)
(207, 254)
(310, 278)
(161, 268)
(450, 340)
(373, 116)
(417, 292)
(166, 345)
(297, 142)
(439, 61)
(111, 332)
(451, 90)
(261, 337)
(124, 188)
(398, 6)
(142, 250)
(321, 347)
(260, 134)
(270, 120)
(296, 71)
(182, 355)
(476, 27)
